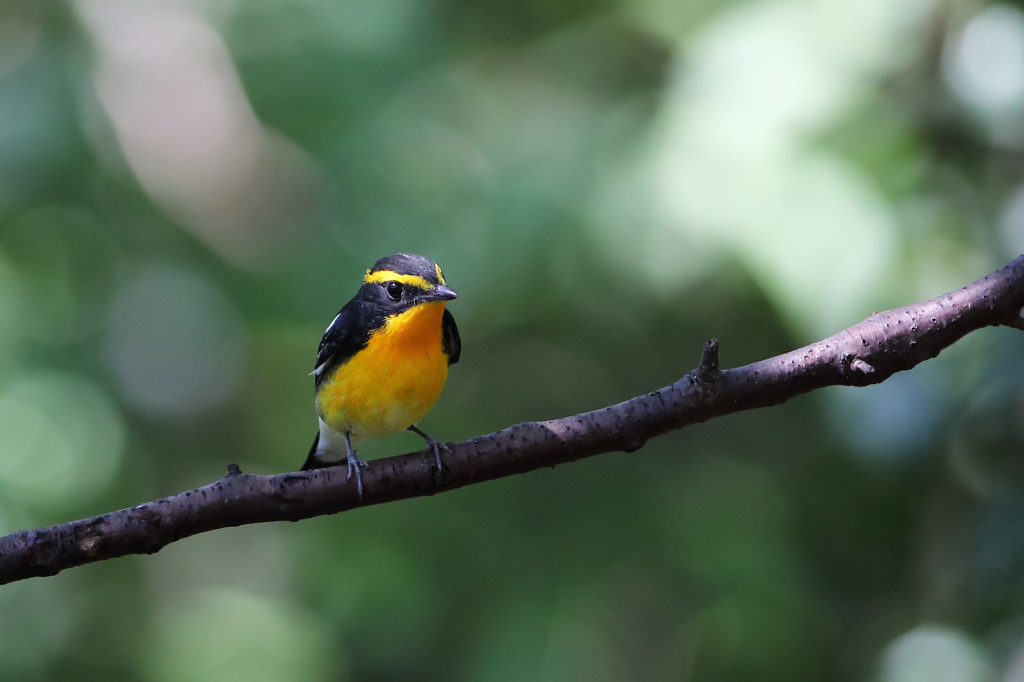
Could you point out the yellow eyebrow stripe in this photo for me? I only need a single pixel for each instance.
(392, 276)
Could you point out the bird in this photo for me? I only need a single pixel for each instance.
(383, 361)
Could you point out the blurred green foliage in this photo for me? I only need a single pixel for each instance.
(189, 191)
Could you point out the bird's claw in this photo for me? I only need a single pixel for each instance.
(441, 473)
(442, 476)
(354, 464)
(435, 446)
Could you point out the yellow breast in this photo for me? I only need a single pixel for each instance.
(391, 383)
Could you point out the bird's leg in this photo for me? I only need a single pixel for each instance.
(354, 463)
(433, 445)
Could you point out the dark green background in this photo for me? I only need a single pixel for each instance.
(190, 190)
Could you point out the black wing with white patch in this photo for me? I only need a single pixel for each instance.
(339, 343)
(450, 341)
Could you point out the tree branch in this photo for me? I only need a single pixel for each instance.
(866, 353)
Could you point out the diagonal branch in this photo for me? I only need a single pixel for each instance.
(867, 353)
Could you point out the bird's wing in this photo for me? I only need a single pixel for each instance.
(450, 341)
(338, 344)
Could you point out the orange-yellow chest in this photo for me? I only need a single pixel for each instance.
(392, 382)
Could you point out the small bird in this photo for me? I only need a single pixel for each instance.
(383, 361)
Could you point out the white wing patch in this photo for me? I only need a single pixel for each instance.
(319, 370)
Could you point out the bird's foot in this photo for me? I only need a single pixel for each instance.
(435, 446)
(442, 476)
(354, 465)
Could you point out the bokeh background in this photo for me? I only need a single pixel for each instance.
(189, 190)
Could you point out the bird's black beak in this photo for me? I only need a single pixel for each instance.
(439, 293)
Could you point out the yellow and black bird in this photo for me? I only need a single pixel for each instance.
(383, 361)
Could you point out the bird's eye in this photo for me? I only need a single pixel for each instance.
(394, 290)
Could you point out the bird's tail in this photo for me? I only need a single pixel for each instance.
(311, 462)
